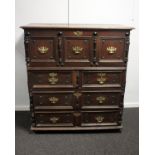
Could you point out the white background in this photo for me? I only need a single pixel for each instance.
(80, 11)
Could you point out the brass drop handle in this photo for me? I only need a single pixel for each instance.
(53, 79)
(101, 99)
(77, 49)
(43, 49)
(101, 79)
(54, 119)
(111, 49)
(53, 99)
(99, 119)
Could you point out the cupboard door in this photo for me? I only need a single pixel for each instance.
(111, 50)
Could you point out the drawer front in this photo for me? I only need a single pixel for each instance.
(100, 118)
(77, 33)
(102, 78)
(54, 100)
(51, 79)
(98, 100)
(54, 119)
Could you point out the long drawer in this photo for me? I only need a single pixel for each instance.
(77, 100)
(76, 79)
(71, 119)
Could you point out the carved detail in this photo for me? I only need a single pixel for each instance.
(26, 42)
(127, 42)
(120, 117)
(60, 48)
(94, 48)
(32, 111)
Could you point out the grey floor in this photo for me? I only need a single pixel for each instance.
(87, 143)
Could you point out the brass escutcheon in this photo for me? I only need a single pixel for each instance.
(99, 119)
(102, 79)
(54, 119)
(77, 94)
(43, 49)
(101, 99)
(78, 33)
(53, 79)
(77, 49)
(53, 99)
(111, 49)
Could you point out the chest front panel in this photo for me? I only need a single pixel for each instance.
(76, 77)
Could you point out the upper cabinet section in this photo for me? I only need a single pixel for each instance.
(92, 45)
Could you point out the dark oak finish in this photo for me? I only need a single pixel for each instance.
(76, 75)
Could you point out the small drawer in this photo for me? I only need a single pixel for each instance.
(100, 118)
(51, 79)
(54, 100)
(102, 78)
(54, 119)
(99, 100)
(77, 33)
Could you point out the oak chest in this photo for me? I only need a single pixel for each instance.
(76, 75)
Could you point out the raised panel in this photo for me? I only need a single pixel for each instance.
(77, 49)
(43, 49)
(111, 50)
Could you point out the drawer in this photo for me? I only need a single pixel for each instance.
(102, 79)
(77, 33)
(99, 100)
(54, 119)
(51, 79)
(54, 100)
(100, 118)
